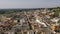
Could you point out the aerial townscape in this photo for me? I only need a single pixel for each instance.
(30, 21)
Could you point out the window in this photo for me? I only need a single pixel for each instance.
(18, 20)
(15, 32)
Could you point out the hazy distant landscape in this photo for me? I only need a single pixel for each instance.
(2, 11)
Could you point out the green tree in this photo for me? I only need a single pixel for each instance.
(57, 11)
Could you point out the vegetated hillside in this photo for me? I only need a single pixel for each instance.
(57, 11)
(9, 11)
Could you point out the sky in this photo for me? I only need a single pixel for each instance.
(29, 3)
